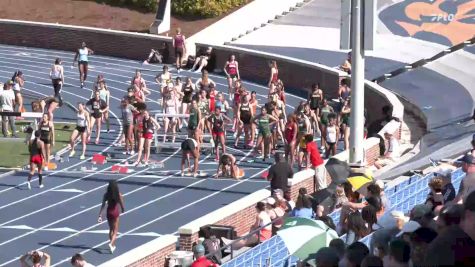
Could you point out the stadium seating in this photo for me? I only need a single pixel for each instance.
(403, 197)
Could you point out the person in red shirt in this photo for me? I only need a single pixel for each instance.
(200, 259)
(314, 158)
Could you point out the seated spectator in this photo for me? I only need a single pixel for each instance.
(455, 245)
(435, 197)
(419, 242)
(407, 229)
(399, 254)
(392, 152)
(78, 261)
(356, 228)
(35, 258)
(212, 245)
(372, 261)
(326, 257)
(391, 223)
(200, 259)
(448, 189)
(346, 66)
(339, 246)
(449, 215)
(303, 206)
(354, 255)
(262, 220)
(285, 198)
(423, 215)
(276, 213)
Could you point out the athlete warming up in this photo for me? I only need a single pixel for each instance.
(37, 157)
(98, 108)
(57, 78)
(216, 123)
(227, 168)
(114, 199)
(47, 135)
(180, 48)
(149, 125)
(231, 69)
(83, 61)
(190, 147)
(82, 130)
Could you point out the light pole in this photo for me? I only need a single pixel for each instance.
(357, 83)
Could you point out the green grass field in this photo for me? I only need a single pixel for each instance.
(14, 154)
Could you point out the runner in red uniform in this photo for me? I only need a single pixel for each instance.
(231, 69)
(216, 126)
(291, 139)
(37, 157)
(114, 199)
(180, 48)
(274, 72)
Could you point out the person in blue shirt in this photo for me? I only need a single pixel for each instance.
(303, 206)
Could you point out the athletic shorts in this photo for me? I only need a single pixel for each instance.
(233, 76)
(246, 120)
(331, 145)
(179, 52)
(96, 115)
(192, 127)
(36, 159)
(217, 134)
(46, 141)
(81, 129)
(188, 145)
(83, 63)
(147, 136)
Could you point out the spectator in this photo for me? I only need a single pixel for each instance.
(202, 60)
(326, 257)
(212, 245)
(468, 183)
(456, 244)
(449, 215)
(339, 246)
(7, 102)
(35, 258)
(399, 254)
(380, 193)
(339, 197)
(356, 228)
(372, 261)
(262, 221)
(280, 173)
(200, 259)
(314, 157)
(368, 214)
(346, 66)
(157, 56)
(354, 255)
(448, 189)
(391, 223)
(78, 261)
(303, 206)
(276, 213)
(435, 197)
(375, 201)
(423, 215)
(392, 152)
(419, 241)
(407, 230)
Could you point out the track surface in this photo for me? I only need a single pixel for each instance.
(61, 218)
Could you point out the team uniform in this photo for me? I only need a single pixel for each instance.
(96, 106)
(45, 131)
(179, 45)
(217, 123)
(148, 128)
(232, 70)
(81, 122)
(245, 113)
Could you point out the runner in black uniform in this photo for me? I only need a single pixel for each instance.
(216, 127)
(190, 147)
(149, 126)
(47, 136)
(98, 107)
(245, 115)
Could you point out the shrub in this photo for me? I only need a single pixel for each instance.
(204, 8)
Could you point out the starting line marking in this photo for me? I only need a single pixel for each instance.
(70, 230)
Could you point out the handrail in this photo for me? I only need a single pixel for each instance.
(209, 255)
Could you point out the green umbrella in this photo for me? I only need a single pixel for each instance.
(296, 221)
(304, 240)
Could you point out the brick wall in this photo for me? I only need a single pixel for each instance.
(297, 77)
(157, 259)
(104, 42)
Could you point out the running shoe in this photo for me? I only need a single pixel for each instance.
(195, 175)
(132, 152)
(126, 153)
(42, 185)
(82, 85)
(82, 157)
(45, 168)
(140, 165)
(145, 62)
(178, 70)
(28, 184)
(182, 174)
(260, 157)
(111, 248)
(72, 153)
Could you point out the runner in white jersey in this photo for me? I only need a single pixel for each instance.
(83, 62)
(82, 130)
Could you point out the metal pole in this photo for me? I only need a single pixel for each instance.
(357, 84)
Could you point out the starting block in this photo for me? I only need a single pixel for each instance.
(115, 168)
(124, 170)
(51, 166)
(85, 169)
(156, 165)
(98, 159)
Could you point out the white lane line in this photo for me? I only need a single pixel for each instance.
(74, 197)
(70, 230)
(153, 81)
(158, 218)
(62, 170)
(104, 58)
(96, 206)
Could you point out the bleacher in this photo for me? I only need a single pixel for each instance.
(403, 197)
